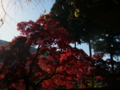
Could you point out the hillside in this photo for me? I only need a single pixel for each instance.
(3, 42)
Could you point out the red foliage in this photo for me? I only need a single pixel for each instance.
(54, 63)
(98, 78)
(97, 56)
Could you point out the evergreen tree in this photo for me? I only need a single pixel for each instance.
(81, 28)
(108, 43)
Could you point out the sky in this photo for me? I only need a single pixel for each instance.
(27, 11)
(17, 13)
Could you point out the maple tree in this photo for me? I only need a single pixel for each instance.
(54, 63)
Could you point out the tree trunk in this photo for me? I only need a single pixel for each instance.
(90, 49)
(76, 85)
(26, 82)
(90, 53)
(112, 64)
(92, 80)
(75, 44)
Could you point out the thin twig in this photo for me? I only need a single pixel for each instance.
(5, 11)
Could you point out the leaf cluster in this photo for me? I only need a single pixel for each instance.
(54, 63)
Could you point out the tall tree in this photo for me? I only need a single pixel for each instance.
(81, 28)
(54, 63)
(108, 43)
(100, 11)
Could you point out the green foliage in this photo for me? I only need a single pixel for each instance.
(107, 42)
